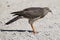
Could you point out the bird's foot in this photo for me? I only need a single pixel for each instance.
(35, 32)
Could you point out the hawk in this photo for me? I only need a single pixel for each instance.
(31, 13)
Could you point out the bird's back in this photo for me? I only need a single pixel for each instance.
(33, 12)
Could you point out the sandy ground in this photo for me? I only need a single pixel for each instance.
(48, 27)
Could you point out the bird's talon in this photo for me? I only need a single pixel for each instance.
(35, 32)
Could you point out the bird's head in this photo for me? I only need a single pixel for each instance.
(46, 9)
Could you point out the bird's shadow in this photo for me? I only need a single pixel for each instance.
(16, 30)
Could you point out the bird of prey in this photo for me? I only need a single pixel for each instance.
(32, 13)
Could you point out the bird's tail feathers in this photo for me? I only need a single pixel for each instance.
(11, 21)
(17, 13)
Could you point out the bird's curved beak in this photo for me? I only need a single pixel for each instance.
(50, 11)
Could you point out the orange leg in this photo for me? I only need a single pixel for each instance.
(31, 23)
(33, 29)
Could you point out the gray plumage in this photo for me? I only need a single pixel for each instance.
(32, 13)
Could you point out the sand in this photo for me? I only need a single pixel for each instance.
(48, 27)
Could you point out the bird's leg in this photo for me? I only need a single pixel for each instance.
(33, 28)
(31, 23)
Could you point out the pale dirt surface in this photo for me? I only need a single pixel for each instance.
(48, 27)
